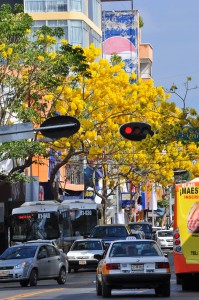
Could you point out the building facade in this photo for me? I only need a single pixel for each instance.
(80, 19)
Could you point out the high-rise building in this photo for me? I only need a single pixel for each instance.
(80, 19)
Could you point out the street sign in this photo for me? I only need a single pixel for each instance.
(59, 126)
(188, 134)
(16, 132)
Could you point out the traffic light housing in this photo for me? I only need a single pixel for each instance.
(135, 131)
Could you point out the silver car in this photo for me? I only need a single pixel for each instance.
(28, 263)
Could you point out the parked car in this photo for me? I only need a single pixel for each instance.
(110, 232)
(27, 263)
(130, 264)
(85, 253)
(146, 227)
(164, 238)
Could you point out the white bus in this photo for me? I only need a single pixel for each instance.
(45, 220)
(85, 214)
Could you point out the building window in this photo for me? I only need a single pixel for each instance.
(45, 6)
(145, 69)
(52, 24)
(76, 33)
(76, 5)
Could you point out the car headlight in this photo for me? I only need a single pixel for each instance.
(21, 265)
(71, 257)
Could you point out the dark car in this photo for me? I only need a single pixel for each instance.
(146, 227)
(110, 232)
(28, 263)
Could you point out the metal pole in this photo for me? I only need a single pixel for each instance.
(39, 129)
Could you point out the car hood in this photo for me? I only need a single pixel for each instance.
(13, 262)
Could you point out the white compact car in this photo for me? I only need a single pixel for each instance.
(133, 264)
(164, 238)
(85, 254)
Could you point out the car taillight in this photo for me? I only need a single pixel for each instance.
(176, 236)
(112, 266)
(162, 265)
(176, 241)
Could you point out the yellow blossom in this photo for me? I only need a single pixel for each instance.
(28, 31)
(4, 54)
(64, 42)
(9, 51)
(2, 46)
(40, 58)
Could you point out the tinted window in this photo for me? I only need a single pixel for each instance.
(165, 234)
(87, 245)
(134, 249)
(51, 251)
(142, 227)
(106, 231)
(19, 252)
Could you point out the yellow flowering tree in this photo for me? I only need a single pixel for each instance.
(38, 82)
(32, 76)
(104, 102)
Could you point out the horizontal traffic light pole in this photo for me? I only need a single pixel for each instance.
(52, 128)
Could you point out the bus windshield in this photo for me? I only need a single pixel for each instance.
(83, 220)
(31, 226)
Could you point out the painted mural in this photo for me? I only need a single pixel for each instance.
(120, 36)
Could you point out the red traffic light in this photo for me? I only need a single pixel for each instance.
(135, 131)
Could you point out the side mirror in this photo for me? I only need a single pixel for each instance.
(166, 254)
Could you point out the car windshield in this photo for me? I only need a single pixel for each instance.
(86, 245)
(112, 231)
(142, 227)
(168, 233)
(19, 252)
(131, 249)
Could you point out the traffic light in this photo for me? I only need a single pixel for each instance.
(135, 131)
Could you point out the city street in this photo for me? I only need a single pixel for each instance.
(81, 285)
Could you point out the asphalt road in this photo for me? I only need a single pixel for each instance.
(81, 286)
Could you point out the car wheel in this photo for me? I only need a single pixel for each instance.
(62, 276)
(187, 285)
(33, 278)
(98, 287)
(24, 283)
(106, 291)
(178, 279)
(163, 290)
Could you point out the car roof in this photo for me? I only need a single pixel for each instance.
(89, 239)
(133, 241)
(111, 225)
(140, 223)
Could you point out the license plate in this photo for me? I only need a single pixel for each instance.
(137, 267)
(3, 273)
(82, 262)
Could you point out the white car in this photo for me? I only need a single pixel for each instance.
(130, 264)
(164, 238)
(85, 254)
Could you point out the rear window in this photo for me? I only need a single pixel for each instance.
(141, 227)
(103, 231)
(131, 249)
(165, 233)
(87, 245)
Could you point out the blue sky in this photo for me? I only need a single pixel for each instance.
(172, 28)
